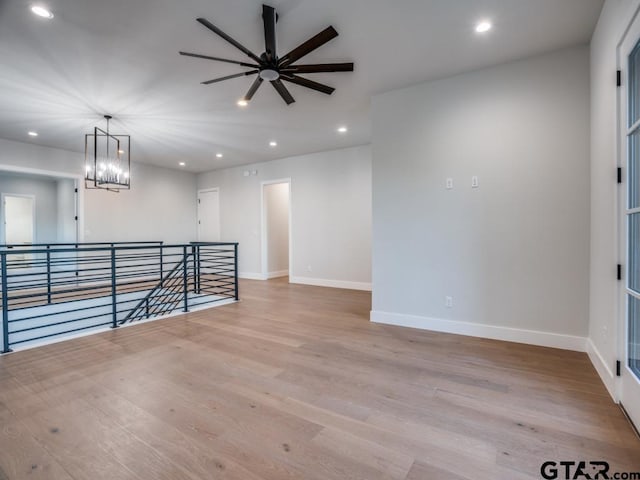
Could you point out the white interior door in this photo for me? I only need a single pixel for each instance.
(209, 215)
(18, 219)
(630, 222)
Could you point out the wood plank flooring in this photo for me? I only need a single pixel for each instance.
(294, 382)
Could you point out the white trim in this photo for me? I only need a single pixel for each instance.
(280, 274)
(251, 276)
(531, 337)
(322, 282)
(207, 190)
(263, 230)
(605, 373)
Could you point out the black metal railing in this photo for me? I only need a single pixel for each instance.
(55, 290)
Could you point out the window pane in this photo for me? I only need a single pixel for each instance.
(634, 335)
(634, 252)
(634, 76)
(634, 170)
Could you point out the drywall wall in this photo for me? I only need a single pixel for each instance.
(45, 194)
(66, 203)
(330, 214)
(605, 326)
(161, 204)
(276, 219)
(513, 254)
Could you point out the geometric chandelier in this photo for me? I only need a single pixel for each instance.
(107, 160)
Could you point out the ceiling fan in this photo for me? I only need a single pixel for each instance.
(272, 68)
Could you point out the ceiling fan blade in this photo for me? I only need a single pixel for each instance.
(269, 18)
(233, 42)
(254, 88)
(323, 67)
(305, 82)
(206, 57)
(282, 90)
(309, 46)
(229, 77)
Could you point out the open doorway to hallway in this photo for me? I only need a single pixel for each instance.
(276, 228)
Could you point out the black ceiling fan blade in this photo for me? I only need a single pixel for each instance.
(207, 57)
(282, 90)
(254, 88)
(305, 82)
(319, 68)
(309, 46)
(269, 18)
(233, 42)
(229, 77)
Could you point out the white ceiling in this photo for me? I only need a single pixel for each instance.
(58, 77)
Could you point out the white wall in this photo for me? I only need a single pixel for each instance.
(66, 199)
(161, 204)
(330, 210)
(276, 211)
(514, 253)
(604, 317)
(46, 212)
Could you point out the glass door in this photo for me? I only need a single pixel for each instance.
(630, 227)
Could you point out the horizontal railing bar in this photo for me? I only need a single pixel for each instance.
(65, 322)
(102, 249)
(15, 320)
(60, 333)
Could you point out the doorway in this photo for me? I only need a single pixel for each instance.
(629, 224)
(209, 215)
(276, 228)
(19, 219)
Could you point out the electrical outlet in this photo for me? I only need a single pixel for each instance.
(474, 182)
(448, 302)
(449, 183)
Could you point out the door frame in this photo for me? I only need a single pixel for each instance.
(34, 236)
(207, 190)
(629, 38)
(263, 229)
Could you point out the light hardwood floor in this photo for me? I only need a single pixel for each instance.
(294, 382)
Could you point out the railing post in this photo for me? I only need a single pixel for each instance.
(5, 306)
(114, 308)
(195, 269)
(199, 269)
(48, 275)
(235, 269)
(185, 285)
(161, 266)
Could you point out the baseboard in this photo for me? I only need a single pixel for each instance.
(280, 274)
(606, 374)
(252, 276)
(531, 337)
(321, 282)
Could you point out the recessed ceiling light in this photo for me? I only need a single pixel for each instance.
(33, 134)
(242, 102)
(219, 155)
(120, 152)
(182, 164)
(343, 130)
(273, 144)
(41, 11)
(483, 26)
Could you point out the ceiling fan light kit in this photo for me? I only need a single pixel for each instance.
(271, 68)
